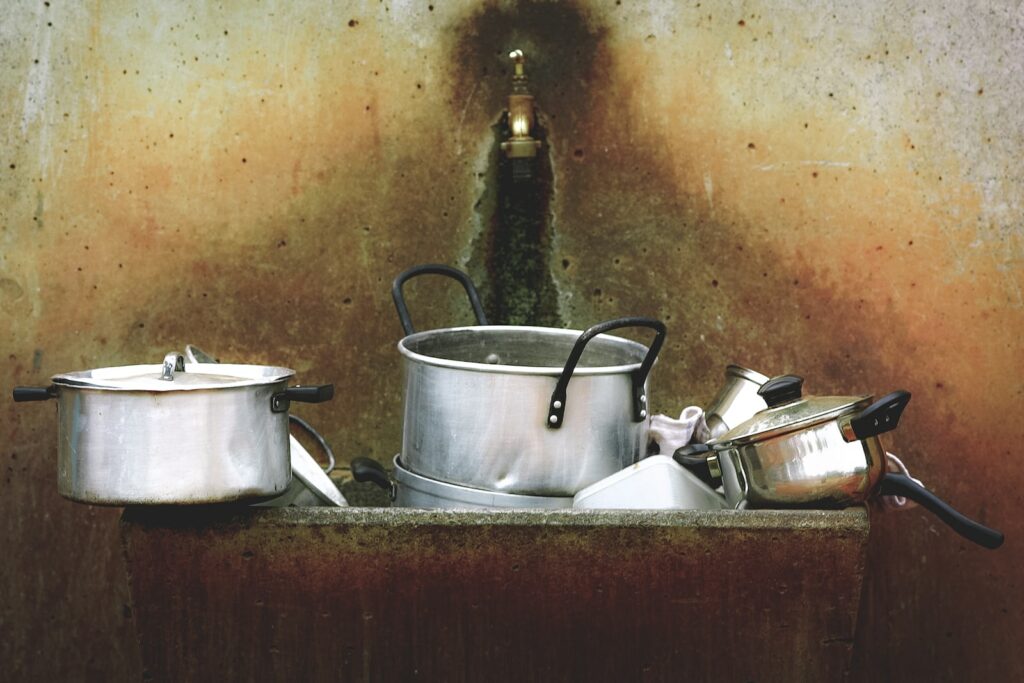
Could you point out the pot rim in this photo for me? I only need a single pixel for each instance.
(498, 368)
(741, 372)
(848, 405)
(128, 377)
(470, 495)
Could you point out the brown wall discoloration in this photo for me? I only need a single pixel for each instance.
(250, 179)
(495, 596)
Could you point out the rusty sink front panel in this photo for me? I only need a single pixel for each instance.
(387, 594)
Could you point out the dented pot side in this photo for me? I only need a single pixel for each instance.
(140, 447)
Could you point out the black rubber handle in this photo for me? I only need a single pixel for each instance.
(315, 393)
(434, 269)
(881, 416)
(781, 390)
(556, 408)
(367, 469)
(902, 485)
(695, 458)
(22, 394)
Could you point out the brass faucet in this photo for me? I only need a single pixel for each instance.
(520, 147)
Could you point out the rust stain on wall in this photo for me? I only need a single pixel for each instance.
(830, 193)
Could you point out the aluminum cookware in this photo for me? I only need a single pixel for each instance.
(411, 490)
(737, 401)
(174, 433)
(525, 410)
(654, 483)
(806, 450)
(310, 485)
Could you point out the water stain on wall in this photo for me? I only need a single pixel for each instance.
(513, 256)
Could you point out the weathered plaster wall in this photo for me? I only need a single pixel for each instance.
(827, 190)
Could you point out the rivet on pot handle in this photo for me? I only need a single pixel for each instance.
(556, 408)
(434, 269)
(367, 469)
(881, 416)
(312, 394)
(173, 362)
(22, 394)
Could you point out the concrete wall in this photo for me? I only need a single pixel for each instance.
(828, 190)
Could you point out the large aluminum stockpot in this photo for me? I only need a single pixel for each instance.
(526, 410)
(410, 490)
(176, 433)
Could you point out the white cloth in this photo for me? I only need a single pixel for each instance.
(895, 465)
(671, 434)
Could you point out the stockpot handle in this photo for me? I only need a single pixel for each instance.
(902, 485)
(556, 408)
(280, 401)
(22, 394)
(367, 469)
(434, 269)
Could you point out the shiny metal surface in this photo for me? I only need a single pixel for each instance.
(171, 447)
(798, 415)
(415, 491)
(310, 485)
(194, 377)
(481, 424)
(737, 401)
(812, 465)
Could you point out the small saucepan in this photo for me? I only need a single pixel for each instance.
(817, 450)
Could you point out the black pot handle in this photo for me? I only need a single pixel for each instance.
(367, 469)
(22, 394)
(556, 408)
(280, 401)
(434, 269)
(881, 416)
(902, 485)
(695, 458)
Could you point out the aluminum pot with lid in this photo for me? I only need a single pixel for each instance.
(817, 450)
(176, 433)
(526, 410)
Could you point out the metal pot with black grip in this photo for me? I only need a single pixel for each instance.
(527, 410)
(176, 433)
(817, 450)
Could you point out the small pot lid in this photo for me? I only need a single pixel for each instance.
(789, 411)
(174, 375)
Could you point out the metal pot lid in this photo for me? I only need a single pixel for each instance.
(174, 375)
(789, 411)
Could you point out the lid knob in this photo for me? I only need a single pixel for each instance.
(781, 390)
(173, 362)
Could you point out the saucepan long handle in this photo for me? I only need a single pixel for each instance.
(556, 408)
(434, 269)
(902, 485)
